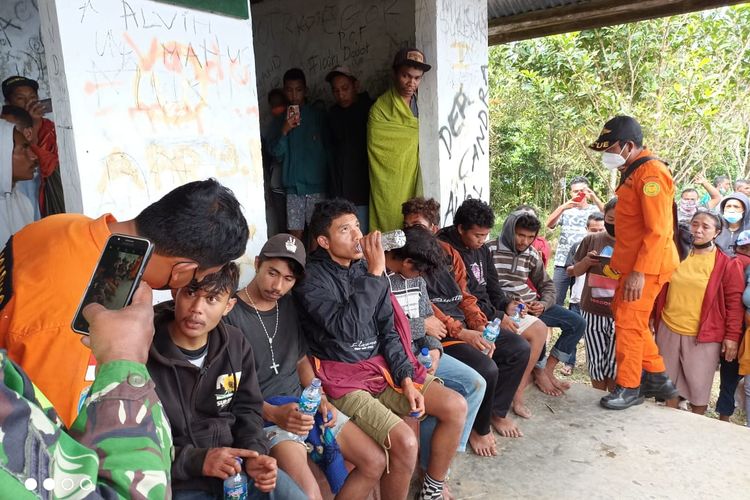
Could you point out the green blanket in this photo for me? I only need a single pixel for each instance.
(393, 150)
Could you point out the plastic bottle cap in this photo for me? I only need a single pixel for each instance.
(315, 382)
(425, 351)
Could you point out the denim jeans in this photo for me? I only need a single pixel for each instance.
(729, 376)
(572, 325)
(467, 382)
(562, 284)
(576, 308)
(286, 489)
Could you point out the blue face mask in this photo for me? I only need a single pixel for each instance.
(732, 217)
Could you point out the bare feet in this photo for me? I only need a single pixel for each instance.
(559, 384)
(484, 446)
(567, 370)
(544, 384)
(506, 427)
(520, 409)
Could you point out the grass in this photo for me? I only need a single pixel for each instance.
(580, 376)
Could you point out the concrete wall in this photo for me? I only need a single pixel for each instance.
(454, 110)
(158, 96)
(21, 48)
(316, 36)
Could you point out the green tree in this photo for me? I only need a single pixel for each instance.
(685, 78)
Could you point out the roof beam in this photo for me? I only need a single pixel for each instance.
(587, 15)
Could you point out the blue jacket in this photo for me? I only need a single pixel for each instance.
(304, 152)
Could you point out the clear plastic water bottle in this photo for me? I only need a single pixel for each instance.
(389, 240)
(310, 398)
(425, 358)
(235, 487)
(491, 332)
(392, 239)
(517, 315)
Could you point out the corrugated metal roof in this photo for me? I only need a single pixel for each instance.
(505, 8)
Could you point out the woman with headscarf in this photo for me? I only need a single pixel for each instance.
(733, 212)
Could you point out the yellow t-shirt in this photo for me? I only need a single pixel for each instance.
(682, 313)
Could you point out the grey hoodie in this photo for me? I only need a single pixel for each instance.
(726, 238)
(515, 269)
(16, 209)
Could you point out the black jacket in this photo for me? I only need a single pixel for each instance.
(203, 409)
(346, 314)
(481, 274)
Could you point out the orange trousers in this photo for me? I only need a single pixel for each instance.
(635, 348)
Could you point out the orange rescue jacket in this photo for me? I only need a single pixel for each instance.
(644, 221)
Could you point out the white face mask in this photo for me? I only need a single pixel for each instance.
(612, 161)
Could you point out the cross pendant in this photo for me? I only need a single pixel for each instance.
(275, 368)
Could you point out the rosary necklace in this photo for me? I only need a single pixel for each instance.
(274, 365)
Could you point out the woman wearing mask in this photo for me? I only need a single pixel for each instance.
(733, 210)
(699, 313)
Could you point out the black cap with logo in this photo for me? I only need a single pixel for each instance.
(284, 246)
(620, 128)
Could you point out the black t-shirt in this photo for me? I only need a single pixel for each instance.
(445, 293)
(288, 345)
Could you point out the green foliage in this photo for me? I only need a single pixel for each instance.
(685, 78)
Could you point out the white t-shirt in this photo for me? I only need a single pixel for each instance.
(572, 225)
(577, 289)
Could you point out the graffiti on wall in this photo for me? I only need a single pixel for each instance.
(21, 48)
(171, 95)
(463, 136)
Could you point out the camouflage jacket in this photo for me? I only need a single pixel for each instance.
(119, 446)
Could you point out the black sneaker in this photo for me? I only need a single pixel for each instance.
(657, 385)
(622, 398)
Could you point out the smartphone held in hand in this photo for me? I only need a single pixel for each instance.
(292, 112)
(46, 105)
(116, 276)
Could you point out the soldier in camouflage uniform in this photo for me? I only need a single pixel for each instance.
(120, 445)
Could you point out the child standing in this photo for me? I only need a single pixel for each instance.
(592, 259)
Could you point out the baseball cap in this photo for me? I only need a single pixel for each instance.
(620, 128)
(18, 81)
(340, 70)
(284, 246)
(410, 57)
(743, 238)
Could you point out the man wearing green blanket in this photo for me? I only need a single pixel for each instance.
(393, 143)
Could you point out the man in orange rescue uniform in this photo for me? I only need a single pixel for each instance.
(45, 269)
(644, 256)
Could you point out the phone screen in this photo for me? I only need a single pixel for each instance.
(46, 105)
(292, 110)
(116, 276)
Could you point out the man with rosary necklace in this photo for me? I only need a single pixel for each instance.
(266, 314)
